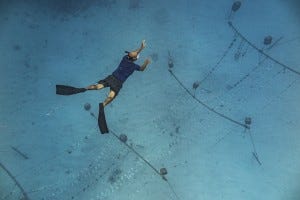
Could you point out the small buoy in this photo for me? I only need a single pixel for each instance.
(163, 171)
(248, 120)
(268, 40)
(123, 138)
(235, 6)
(87, 106)
(196, 85)
(170, 63)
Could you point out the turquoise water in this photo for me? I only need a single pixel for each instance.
(224, 120)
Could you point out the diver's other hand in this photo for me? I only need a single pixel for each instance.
(147, 61)
(145, 64)
(143, 45)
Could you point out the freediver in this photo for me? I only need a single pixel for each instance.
(114, 81)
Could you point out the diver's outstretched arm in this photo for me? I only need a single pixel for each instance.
(143, 45)
(134, 54)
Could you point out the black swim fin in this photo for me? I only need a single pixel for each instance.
(68, 90)
(101, 120)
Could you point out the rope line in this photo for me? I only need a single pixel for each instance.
(137, 153)
(219, 61)
(25, 196)
(260, 50)
(147, 162)
(254, 153)
(208, 107)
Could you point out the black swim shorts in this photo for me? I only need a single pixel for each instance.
(112, 82)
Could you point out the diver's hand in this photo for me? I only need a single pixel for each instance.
(145, 64)
(147, 61)
(143, 45)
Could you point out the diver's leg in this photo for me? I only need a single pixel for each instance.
(98, 86)
(110, 97)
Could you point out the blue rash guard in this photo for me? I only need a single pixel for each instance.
(125, 69)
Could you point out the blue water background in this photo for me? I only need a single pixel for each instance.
(208, 157)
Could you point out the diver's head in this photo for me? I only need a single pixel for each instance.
(133, 55)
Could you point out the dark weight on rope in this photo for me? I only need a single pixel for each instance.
(163, 171)
(196, 85)
(123, 138)
(87, 106)
(235, 6)
(268, 40)
(248, 121)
